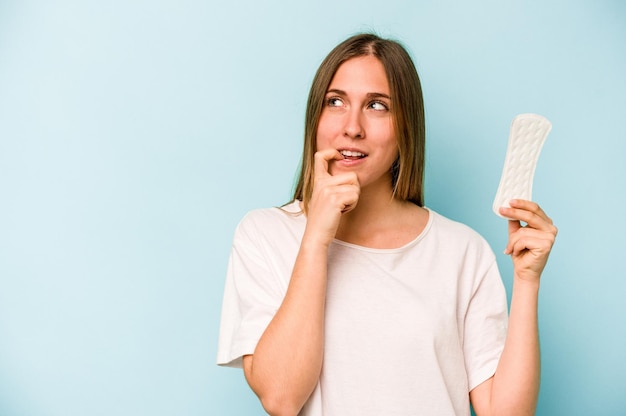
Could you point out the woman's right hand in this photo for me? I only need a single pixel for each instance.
(287, 361)
(333, 196)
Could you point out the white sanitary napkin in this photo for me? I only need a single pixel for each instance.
(528, 133)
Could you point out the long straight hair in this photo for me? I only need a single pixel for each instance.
(407, 106)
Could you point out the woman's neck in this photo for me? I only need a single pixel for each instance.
(381, 221)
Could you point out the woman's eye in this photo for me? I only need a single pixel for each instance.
(378, 106)
(334, 102)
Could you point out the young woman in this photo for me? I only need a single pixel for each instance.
(354, 299)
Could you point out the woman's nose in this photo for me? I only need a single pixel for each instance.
(354, 124)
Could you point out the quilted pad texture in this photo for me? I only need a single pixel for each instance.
(528, 133)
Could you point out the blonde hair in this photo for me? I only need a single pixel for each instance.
(407, 108)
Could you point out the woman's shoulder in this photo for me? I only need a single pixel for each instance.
(455, 229)
(270, 217)
(270, 227)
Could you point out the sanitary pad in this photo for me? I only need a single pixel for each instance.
(528, 133)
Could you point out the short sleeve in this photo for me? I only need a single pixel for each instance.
(485, 328)
(252, 295)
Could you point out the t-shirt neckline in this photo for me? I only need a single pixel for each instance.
(294, 208)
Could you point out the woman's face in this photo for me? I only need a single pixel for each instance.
(357, 121)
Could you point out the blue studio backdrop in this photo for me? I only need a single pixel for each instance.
(134, 135)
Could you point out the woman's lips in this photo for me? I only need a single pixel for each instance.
(352, 154)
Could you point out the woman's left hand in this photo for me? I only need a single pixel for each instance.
(530, 245)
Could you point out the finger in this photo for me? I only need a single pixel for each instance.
(514, 226)
(350, 195)
(529, 239)
(530, 213)
(338, 194)
(539, 245)
(349, 178)
(349, 205)
(328, 183)
(529, 206)
(321, 159)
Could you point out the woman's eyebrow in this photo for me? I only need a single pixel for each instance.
(378, 95)
(369, 94)
(336, 91)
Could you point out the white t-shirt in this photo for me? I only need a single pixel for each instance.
(408, 331)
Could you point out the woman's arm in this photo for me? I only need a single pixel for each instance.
(514, 388)
(287, 361)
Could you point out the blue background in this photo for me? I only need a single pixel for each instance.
(135, 134)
